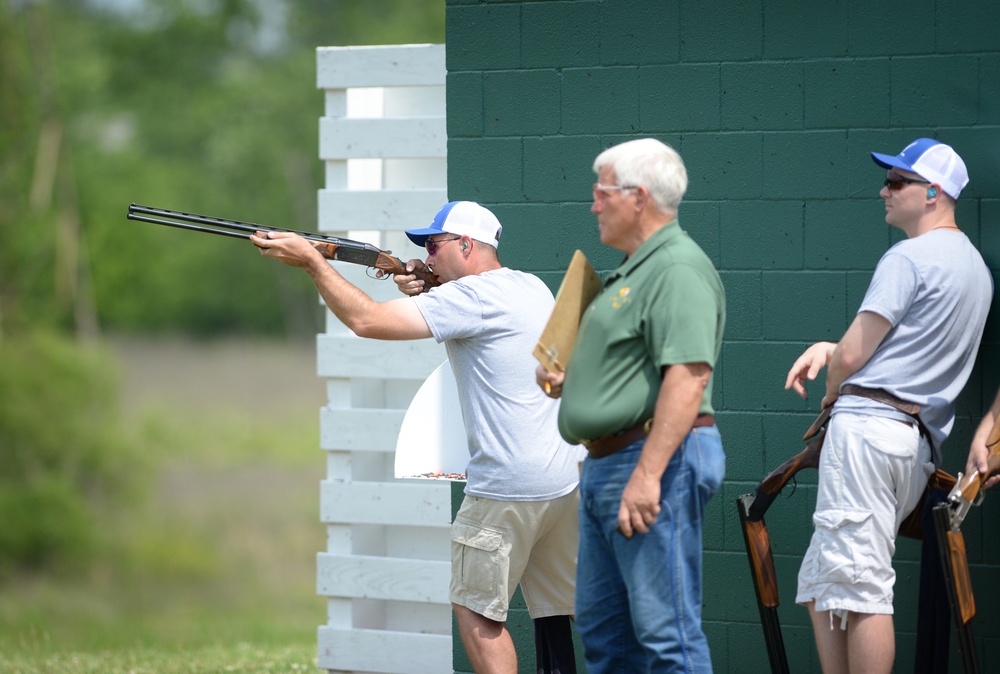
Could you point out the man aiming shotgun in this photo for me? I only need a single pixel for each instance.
(519, 515)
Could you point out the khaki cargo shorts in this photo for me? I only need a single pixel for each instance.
(496, 545)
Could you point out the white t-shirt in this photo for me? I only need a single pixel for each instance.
(935, 290)
(490, 323)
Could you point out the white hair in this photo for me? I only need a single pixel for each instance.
(652, 164)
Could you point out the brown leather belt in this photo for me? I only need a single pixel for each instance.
(883, 396)
(609, 444)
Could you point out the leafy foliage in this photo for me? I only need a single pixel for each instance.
(201, 107)
(63, 458)
(207, 107)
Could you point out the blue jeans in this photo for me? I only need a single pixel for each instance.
(638, 601)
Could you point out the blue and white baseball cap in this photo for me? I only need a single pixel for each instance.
(931, 160)
(465, 218)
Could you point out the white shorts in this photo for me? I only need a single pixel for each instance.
(496, 545)
(872, 473)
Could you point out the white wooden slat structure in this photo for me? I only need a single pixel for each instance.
(386, 569)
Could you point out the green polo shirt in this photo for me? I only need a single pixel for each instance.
(664, 305)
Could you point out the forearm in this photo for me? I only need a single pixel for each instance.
(675, 412)
(837, 372)
(347, 302)
(979, 452)
(985, 426)
(854, 350)
(987, 423)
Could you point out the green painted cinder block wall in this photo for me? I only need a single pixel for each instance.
(774, 105)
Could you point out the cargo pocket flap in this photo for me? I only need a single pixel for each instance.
(835, 519)
(473, 535)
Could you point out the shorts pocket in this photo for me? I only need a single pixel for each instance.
(479, 554)
(845, 543)
(892, 437)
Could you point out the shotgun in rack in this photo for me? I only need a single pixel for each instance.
(330, 247)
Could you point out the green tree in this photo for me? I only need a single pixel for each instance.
(207, 107)
(178, 106)
(63, 459)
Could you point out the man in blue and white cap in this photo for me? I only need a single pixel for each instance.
(892, 380)
(518, 523)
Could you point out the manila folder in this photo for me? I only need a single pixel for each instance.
(580, 285)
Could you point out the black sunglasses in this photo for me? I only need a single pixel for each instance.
(432, 245)
(895, 182)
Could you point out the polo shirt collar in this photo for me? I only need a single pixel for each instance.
(660, 238)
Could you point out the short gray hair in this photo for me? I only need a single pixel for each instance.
(651, 163)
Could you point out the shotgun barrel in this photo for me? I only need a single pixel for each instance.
(331, 247)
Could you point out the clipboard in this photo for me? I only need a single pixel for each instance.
(579, 287)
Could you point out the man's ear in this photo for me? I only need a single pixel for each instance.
(641, 196)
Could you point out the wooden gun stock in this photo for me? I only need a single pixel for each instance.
(958, 583)
(765, 583)
(758, 542)
(963, 581)
(372, 257)
(769, 488)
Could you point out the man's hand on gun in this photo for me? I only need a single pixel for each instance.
(978, 455)
(408, 284)
(296, 251)
(287, 247)
(985, 440)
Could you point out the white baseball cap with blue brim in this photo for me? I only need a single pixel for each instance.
(931, 160)
(465, 218)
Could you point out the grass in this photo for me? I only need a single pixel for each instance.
(213, 570)
(241, 657)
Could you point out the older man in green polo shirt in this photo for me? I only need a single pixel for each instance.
(638, 394)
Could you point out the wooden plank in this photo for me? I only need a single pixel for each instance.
(351, 356)
(371, 577)
(380, 66)
(384, 651)
(416, 504)
(343, 210)
(359, 429)
(397, 137)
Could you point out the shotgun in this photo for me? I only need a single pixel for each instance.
(958, 583)
(765, 583)
(769, 488)
(330, 247)
(968, 490)
(948, 518)
(751, 508)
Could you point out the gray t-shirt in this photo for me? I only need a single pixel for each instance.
(935, 290)
(490, 323)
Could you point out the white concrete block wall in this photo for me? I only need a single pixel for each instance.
(386, 568)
